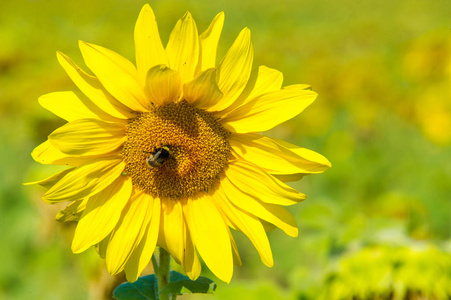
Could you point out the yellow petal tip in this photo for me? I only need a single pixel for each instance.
(268, 263)
(77, 248)
(131, 276)
(192, 276)
(187, 15)
(83, 44)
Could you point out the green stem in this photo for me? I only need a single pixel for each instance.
(163, 273)
(156, 268)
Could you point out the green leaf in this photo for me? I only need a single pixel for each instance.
(181, 284)
(146, 287)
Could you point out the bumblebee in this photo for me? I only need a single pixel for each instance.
(158, 157)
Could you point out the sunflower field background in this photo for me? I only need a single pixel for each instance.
(377, 223)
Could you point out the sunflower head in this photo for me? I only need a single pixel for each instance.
(188, 149)
(166, 152)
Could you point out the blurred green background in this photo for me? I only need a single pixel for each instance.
(383, 118)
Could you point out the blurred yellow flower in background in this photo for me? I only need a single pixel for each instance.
(427, 65)
(419, 271)
(166, 153)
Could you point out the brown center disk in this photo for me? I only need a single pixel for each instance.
(197, 144)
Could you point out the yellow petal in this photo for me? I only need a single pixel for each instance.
(268, 80)
(290, 177)
(210, 235)
(93, 89)
(88, 137)
(236, 255)
(117, 75)
(182, 49)
(72, 212)
(52, 180)
(271, 213)
(163, 85)
(172, 229)
(46, 153)
(86, 180)
(235, 69)
(148, 47)
(128, 232)
(246, 223)
(275, 157)
(203, 92)
(209, 40)
(307, 154)
(102, 246)
(72, 106)
(191, 263)
(267, 226)
(268, 110)
(299, 86)
(101, 214)
(254, 181)
(143, 253)
(262, 80)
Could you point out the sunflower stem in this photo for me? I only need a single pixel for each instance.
(156, 268)
(163, 273)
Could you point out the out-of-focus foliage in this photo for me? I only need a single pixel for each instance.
(383, 117)
(384, 272)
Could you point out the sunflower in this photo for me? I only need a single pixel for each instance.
(166, 153)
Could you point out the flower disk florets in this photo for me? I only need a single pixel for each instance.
(197, 143)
